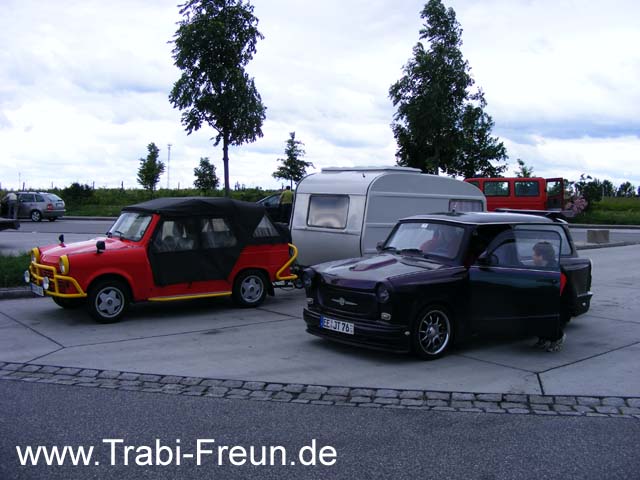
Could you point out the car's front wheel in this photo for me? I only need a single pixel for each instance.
(68, 303)
(36, 216)
(432, 332)
(108, 301)
(250, 288)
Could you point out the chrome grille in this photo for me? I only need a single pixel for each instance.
(347, 301)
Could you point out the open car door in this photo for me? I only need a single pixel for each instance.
(511, 289)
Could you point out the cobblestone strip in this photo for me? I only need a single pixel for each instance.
(543, 405)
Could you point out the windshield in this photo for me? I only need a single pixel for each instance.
(130, 226)
(428, 239)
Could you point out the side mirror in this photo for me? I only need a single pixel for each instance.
(100, 246)
(61, 240)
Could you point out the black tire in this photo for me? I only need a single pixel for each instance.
(36, 216)
(250, 288)
(108, 300)
(68, 303)
(432, 332)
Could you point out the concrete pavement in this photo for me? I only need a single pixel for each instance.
(268, 345)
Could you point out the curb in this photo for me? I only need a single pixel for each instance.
(357, 397)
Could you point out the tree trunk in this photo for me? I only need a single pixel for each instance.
(225, 162)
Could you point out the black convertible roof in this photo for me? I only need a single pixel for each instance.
(195, 206)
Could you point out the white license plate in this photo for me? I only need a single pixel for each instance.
(336, 325)
(37, 289)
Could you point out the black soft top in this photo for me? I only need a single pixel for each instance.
(244, 216)
(198, 206)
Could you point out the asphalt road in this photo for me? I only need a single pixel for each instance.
(31, 234)
(368, 444)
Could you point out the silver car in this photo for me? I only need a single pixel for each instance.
(39, 205)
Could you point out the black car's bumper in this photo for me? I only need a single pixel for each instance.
(392, 338)
(581, 304)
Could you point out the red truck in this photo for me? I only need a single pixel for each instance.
(517, 193)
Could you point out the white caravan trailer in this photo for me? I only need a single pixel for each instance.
(344, 212)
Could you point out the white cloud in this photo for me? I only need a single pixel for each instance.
(84, 86)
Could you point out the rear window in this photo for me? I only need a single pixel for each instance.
(496, 189)
(54, 197)
(328, 211)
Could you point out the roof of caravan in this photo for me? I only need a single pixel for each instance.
(358, 180)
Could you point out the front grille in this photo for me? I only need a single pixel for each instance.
(347, 301)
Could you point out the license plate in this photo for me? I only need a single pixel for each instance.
(336, 325)
(37, 289)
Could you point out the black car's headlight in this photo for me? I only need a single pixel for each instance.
(307, 277)
(382, 293)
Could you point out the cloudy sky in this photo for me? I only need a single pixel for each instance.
(84, 86)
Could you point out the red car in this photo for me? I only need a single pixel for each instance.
(168, 249)
(520, 193)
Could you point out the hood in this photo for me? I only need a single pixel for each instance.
(371, 270)
(51, 253)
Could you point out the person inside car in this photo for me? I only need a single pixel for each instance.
(545, 256)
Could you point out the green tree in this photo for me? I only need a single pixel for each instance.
(626, 189)
(524, 170)
(150, 169)
(439, 123)
(214, 42)
(608, 190)
(477, 147)
(589, 188)
(206, 178)
(293, 168)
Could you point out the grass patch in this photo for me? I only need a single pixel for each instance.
(619, 204)
(12, 269)
(609, 217)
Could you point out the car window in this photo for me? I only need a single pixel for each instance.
(527, 188)
(130, 226)
(532, 248)
(496, 189)
(538, 249)
(565, 246)
(215, 232)
(437, 239)
(25, 197)
(54, 197)
(328, 211)
(176, 235)
(39, 198)
(265, 229)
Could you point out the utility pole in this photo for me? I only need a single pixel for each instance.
(168, 164)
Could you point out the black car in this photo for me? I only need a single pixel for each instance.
(443, 277)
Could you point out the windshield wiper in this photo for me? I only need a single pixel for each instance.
(117, 232)
(390, 249)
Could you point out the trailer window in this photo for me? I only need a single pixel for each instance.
(527, 189)
(496, 189)
(328, 211)
(465, 205)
